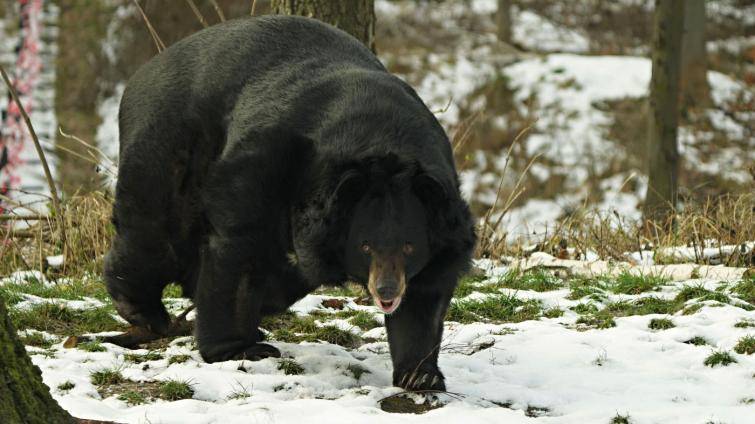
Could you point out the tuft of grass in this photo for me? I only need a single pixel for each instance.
(583, 287)
(535, 279)
(364, 320)
(620, 419)
(627, 283)
(697, 341)
(334, 335)
(36, 339)
(661, 324)
(172, 290)
(133, 397)
(585, 308)
(692, 309)
(60, 320)
(175, 390)
(553, 312)
(138, 358)
(69, 289)
(178, 359)
(744, 323)
(107, 377)
(600, 321)
(496, 309)
(745, 345)
(290, 367)
(66, 386)
(700, 293)
(719, 357)
(240, 392)
(468, 285)
(357, 371)
(93, 346)
(745, 290)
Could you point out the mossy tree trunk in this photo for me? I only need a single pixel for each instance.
(503, 20)
(663, 152)
(24, 398)
(357, 17)
(694, 74)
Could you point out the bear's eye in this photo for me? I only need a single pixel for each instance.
(366, 247)
(408, 249)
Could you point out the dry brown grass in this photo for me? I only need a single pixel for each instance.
(87, 238)
(727, 220)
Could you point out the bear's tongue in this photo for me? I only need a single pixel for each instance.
(387, 306)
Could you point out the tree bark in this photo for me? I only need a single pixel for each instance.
(694, 74)
(357, 17)
(663, 152)
(24, 398)
(503, 21)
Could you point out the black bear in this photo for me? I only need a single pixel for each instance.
(263, 157)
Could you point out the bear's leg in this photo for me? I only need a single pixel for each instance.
(137, 268)
(415, 330)
(229, 306)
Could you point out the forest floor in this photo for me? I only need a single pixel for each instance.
(534, 346)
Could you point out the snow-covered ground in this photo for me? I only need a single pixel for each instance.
(550, 370)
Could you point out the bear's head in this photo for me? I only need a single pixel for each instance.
(383, 222)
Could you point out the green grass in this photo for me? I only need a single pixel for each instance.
(626, 283)
(290, 367)
(700, 293)
(107, 377)
(745, 290)
(745, 345)
(36, 339)
(535, 279)
(357, 371)
(496, 309)
(620, 419)
(468, 285)
(334, 335)
(697, 341)
(587, 287)
(600, 321)
(553, 312)
(175, 390)
(73, 289)
(240, 392)
(661, 324)
(138, 358)
(66, 386)
(364, 320)
(719, 357)
(94, 346)
(178, 359)
(745, 323)
(64, 321)
(585, 308)
(172, 290)
(133, 397)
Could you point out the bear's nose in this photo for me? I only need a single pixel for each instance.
(388, 291)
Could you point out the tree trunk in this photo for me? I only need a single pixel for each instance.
(24, 398)
(357, 17)
(663, 152)
(503, 21)
(694, 73)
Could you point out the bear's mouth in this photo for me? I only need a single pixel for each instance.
(387, 306)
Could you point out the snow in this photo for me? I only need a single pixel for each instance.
(549, 367)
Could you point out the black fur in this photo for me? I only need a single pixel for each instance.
(255, 141)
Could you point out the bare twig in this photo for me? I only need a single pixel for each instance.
(48, 175)
(218, 10)
(197, 13)
(156, 38)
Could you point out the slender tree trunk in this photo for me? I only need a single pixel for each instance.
(694, 73)
(357, 17)
(24, 398)
(663, 152)
(503, 21)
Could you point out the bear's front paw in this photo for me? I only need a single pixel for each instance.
(152, 317)
(258, 352)
(422, 377)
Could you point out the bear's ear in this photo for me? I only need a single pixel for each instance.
(349, 188)
(430, 189)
